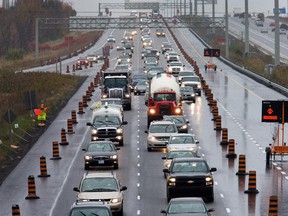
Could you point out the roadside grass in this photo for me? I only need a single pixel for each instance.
(51, 87)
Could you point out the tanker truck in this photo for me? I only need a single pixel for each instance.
(163, 97)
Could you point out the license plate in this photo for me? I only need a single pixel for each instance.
(101, 162)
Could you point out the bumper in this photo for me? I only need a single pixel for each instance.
(196, 191)
(116, 207)
(116, 140)
(157, 144)
(101, 163)
(188, 98)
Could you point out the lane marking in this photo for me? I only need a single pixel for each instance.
(221, 195)
(138, 197)
(138, 212)
(228, 210)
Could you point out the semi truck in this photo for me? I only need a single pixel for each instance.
(116, 84)
(163, 97)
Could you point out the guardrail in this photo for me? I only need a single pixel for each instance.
(281, 89)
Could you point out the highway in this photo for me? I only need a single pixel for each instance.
(239, 100)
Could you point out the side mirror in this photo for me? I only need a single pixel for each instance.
(163, 212)
(124, 123)
(123, 188)
(196, 141)
(89, 124)
(84, 149)
(211, 210)
(187, 121)
(76, 189)
(118, 148)
(146, 131)
(163, 158)
(166, 171)
(213, 169)
(166, 143)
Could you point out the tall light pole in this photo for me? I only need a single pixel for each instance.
(277, 35)
(203, 8)
(226, 31)
(246, 28)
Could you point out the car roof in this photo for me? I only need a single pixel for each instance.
(89, 204)
(187, 199)
(101, 142)
(184, 159)
(182, 134)
(162, 122)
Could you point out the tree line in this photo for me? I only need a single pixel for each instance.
(17, 26)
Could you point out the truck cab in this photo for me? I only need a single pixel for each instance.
(107, 124)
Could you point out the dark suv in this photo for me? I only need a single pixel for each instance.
(190, 177)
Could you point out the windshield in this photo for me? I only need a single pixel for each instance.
(90, 211)
(162, 128)
(166, 97)
(191, 79)
(102, 147)
(186, 89)
(115, 82)
(195, 166)
(106, 120)
(99, 185)
(186, 74)
(175, 64)
(186, 208)
(181, 139)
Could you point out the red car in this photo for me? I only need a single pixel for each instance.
(81, 61)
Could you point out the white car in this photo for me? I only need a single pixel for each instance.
(172, 56)
(182, 142)
(193, 81)
(175, 67)
(282, 31)
(185, 72)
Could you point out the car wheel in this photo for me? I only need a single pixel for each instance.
(116, 166)
(135, 93)
(121, 143)
(149, 149)
(86, 167)
(210, 199)
(121, 212)
(129, 107)
(199, 93)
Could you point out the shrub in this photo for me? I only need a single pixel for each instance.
(14, 54)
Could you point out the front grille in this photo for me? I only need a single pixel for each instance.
(116, 93)
(192, 181)
(175, 69)
(100, 158)
(100, 200)
(162, 138)
(191, 85)
(165, 110)
(106, 132)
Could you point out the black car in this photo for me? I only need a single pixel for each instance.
(90, 208)
(180, 121)
(138, 77)
(185, 206)
(101, 154)
(187, 94)
(140, 87)
(190, 177)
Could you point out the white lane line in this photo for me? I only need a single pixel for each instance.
(221, 195)
(279, 168)
(283, 173)
(138, 212)
(286, 177)
(275, 164)
(138, 149)
(138, 174)
(138, 184)
(68, 173)
(216, 183)
(138, 165)
(228, 210)
(138, 156)
(138, 197)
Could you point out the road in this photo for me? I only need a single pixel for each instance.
(239, 100)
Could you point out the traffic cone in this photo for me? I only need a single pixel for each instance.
(43, 168)
(252, 183)
(55, 151)
(31, 188)
(63, 138)
(15, 210)
(242, 165)
(273, 206)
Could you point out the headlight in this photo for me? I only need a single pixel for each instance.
(93, 131)
(177, 57)
(193, 149)
(113, 157)
(115, 200)
(151, 138)
(104, 96)
(170, 69)
(209, 180)
(199, 86)
(184, 127)
(193, 95)
(172, 181)
(178, 110)
(127, 95)
(167, 165)
(119, 130)
(152, 111)
(119, 137)
(88, 157)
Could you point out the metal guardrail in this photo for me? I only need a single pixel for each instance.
(281, 89)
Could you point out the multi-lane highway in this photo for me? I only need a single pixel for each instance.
(239, 100)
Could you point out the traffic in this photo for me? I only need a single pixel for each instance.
(146, 144)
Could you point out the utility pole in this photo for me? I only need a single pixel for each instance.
(277, 35)
(226, 31)
(203, 8)
(195, 7)
(246, 28)
(37, 39)
(184, 7)
(190, 13)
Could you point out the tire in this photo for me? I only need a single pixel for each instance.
(129, 107)
(210, 199)
(116, 166)
(199, 93)
(121, 212)
(86, 167)
(149, 149)
(121, 143)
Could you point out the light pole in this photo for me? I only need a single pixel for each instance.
(246, 28)
(277, 35)
(226, 30)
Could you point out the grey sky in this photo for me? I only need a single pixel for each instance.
(254, 5)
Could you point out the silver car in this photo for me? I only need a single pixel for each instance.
(159, 133)
(182, 142)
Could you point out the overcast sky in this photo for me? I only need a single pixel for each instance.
(254, 5)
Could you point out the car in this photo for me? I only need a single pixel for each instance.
(165, 46)
(128, 45)
(112, 101)
(170, 155)
(264, 30)
(187, 206)
(172, 56)
(147, 42)
(151, 60)
(140, 87)
(144, 36)
(193, 81)
(123, 58)
(138, 77)
(145, 51)
(180, 121)
(187, 94)
(148, 66)
(111, 39)
(90, 208)
(123, 67)
(160, 32)
(128, 35)
(190, 177)
(159, 133)
(184, 141)
(185, 72)
(120, 47)
(102, 186)
(153, 71)
(175, 67)
(146, 31)
(82, 61)
(282, 31)
(127, 52)
(101, 154)
(92, 58)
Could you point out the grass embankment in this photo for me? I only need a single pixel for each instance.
(53, 88)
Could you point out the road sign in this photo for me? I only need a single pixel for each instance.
(212, 52)
(9, 116)
(274, 111)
